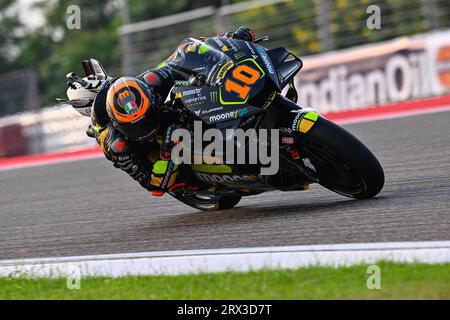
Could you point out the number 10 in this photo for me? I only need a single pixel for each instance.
(244, 74)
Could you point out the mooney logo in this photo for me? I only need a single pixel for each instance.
(228, 115)
(224, 178)
(266, 60)
(222, 116)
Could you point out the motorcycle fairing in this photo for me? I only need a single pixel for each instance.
(204, 102)
(239, 80)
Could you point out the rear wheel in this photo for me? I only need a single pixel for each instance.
(208, 202)
(340, 162)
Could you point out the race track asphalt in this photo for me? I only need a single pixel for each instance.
(88, 207)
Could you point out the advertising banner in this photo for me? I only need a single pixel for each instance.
(402, 69)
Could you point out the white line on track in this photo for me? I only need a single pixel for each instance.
(217, 260)
(46, 162)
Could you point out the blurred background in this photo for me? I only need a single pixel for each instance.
(128, 36)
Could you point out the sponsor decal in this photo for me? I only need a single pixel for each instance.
(443, 65)
(228, 115)
(190, 48)
(178, 95)
(304, 124)
(224, 69)
(239, 55)
(163, 73)
(269, 101)
(222, 116)
(307, 163)
(131, 107)
(295, 122)
(247, 121)
(181, 82)
(195, 100)
(225, 48)
(286, 130)
(97, 69)
(250, 47)
(212, 110)
(169, 171)
(213, 95)
(234, 46)
(191, 92)
(225, 178)
(266, 59)
(203, 49)
(294, 154)
(287, 140)
(151, 77)
(240, 113)
(120, 145)
(218, 41)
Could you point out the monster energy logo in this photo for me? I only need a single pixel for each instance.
(239, 55)
(213, 96)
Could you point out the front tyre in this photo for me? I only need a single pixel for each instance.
(208, 202)
(340, 162)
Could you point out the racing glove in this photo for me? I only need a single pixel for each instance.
(123, 156)
(241, 33)
(157, 177)
(168, 144)
(244, 33)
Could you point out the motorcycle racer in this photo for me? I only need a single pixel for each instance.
(131, 128)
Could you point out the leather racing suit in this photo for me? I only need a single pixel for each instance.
(149, 162)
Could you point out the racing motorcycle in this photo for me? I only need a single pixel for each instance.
(235, 84)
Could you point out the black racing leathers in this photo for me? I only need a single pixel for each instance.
(149, 162)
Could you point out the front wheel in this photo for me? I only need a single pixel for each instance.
(340, 162)
(208, 202)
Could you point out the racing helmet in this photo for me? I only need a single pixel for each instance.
(131, 106)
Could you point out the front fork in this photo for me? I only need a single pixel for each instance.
(288, 117)
(294, 124)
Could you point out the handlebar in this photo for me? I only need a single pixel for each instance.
(265, 38)
(74, 78)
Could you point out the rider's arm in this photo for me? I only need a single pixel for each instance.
(146, 167)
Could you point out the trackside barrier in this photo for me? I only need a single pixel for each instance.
(51, 129)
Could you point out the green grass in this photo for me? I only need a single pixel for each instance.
(398, 281)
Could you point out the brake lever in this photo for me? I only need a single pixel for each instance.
(73, 77)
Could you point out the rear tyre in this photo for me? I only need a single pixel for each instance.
(340, 162)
